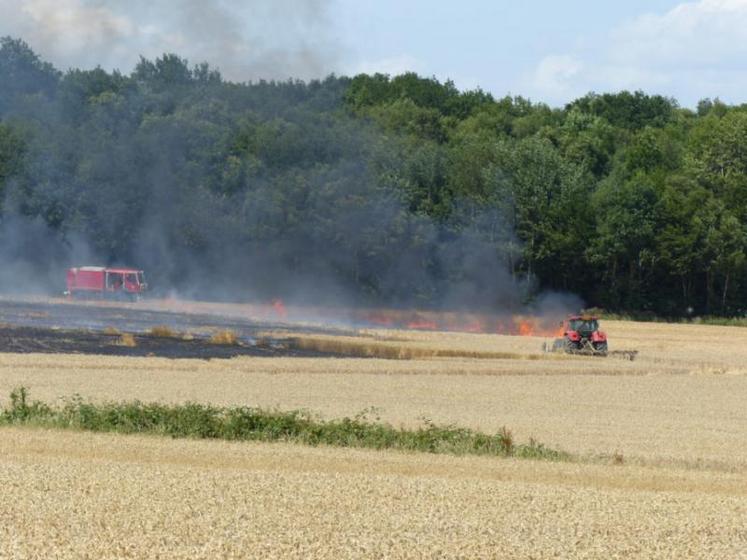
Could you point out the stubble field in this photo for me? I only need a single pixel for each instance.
(660, 465)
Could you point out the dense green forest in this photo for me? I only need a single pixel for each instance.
(374, 189)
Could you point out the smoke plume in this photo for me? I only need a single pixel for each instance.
(245, 40)
(228, 192)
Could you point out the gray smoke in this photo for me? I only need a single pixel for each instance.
(245, 40)
(316, 221)
(34, 257)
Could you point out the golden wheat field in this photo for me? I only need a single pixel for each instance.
(102, 496)
(675, 417)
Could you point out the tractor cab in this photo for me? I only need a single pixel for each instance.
(581, 334)
(583, 325)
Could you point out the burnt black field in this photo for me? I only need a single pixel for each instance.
(69, 328)
(25, 340)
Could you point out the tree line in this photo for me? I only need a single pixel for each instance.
(389, 190)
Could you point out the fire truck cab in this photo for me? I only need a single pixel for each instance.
(102, 282)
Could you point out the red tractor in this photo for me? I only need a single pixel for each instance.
(581, 335)
(101, 282)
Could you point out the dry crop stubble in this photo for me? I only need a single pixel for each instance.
(699, 420)
(422, 345)
(69, 495)
(663, 347)
(687, 346)
(678, 411)
(668, 406)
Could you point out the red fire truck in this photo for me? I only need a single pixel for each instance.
(102, 282)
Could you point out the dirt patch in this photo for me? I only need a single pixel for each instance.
(58, 341)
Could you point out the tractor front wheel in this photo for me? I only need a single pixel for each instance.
(600, 348)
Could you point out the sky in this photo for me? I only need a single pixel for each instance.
(548, 51)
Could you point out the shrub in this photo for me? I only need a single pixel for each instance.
(245, 423)
(21, 410)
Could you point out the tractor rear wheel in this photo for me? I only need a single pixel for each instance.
(600, 348)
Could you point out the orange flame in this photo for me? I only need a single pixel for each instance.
(423, 325)
(380, 319)
(279, 308)
(475, 326)
(505, 324)
(526, 328)
(516, 325)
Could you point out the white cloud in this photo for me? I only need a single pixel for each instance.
(556, 75)
(692, 33)
(695, 50)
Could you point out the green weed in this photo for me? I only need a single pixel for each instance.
(193, 420)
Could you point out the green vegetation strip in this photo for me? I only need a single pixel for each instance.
(648, 317)
(200, 421)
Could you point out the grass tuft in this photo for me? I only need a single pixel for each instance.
(162, 331)
(192, 420)
(127, 340)
(225, 337)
